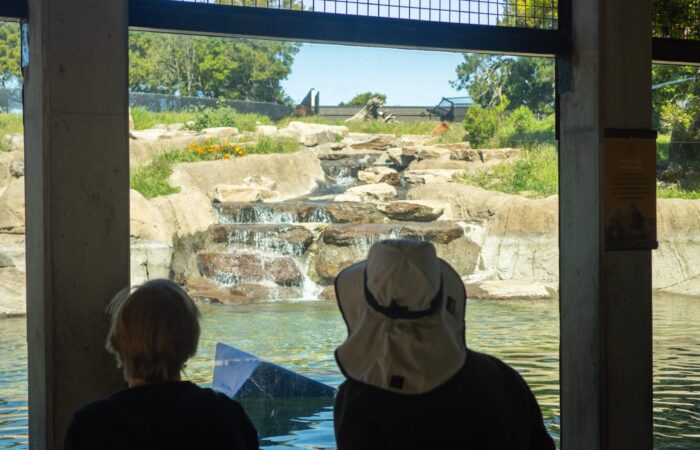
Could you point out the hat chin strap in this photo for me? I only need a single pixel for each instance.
(396, 311)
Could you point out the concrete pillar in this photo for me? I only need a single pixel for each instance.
(606, 347)
(77, 208)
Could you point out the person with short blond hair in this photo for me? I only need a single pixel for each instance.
(154, 331)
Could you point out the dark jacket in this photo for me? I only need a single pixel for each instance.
(485, 406)
(173, 415)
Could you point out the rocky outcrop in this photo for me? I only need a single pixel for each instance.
(368, 193)
(313, 134)
(295, 174)
(373, 175)
(677, 260)
(12, 292)
(8, 168)
(233, 268)
(411, 211)
(510, 290)
(12, 207)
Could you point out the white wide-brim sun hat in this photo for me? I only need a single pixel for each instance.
(404, 309)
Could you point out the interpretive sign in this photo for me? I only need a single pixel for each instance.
(629, 189)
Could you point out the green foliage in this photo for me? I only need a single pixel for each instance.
(481, 123)
(676, 19)
(223, 116)
(675, 191)
(530, 14)
(9, 53)
(151, 180)
(662, 143)
(9, 124)
(524, 81)
(265, 145)
(144, 119)
(494, 127)
(534, 174)
(244, 69)
(362, 99)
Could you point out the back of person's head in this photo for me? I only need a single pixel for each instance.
(154, 331)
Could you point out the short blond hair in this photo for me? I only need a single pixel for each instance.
(154, 331)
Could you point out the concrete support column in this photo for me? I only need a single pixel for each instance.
(77, 208)
(606, 345)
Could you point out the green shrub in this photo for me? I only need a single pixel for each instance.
(481, 123)
(223, 116)
(9, 124)
(535, 173)
(493, 127)
(144, 119)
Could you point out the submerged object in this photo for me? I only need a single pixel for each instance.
(241, 375)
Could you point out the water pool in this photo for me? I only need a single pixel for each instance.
(303, 335)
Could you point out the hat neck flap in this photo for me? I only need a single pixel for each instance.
(396, 311)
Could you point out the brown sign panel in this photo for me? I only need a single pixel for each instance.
(629, 190)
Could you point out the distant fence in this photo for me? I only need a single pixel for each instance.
(403, 113)
(163, 102)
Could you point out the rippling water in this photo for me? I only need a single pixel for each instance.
(302, 336)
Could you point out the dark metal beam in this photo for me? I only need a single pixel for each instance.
(675, 51)
(13, 9)
(220, 20)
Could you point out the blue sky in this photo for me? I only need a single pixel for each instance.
(339, 72)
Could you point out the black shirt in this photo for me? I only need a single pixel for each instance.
(172, 415)
(485, 406)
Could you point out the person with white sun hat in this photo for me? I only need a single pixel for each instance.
(411, 382)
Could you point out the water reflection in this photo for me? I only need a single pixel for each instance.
(302, 336)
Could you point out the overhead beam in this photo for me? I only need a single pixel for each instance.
(268, 23)
(675, 51)
(13, 9)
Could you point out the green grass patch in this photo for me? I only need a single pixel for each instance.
(9, 124)
(144, 119)
(266, 145)
(663, 141)
(534, 174)
(676, 192)
(151, 180)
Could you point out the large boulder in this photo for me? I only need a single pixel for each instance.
(149, 260)
(344, 245)
(295, 174)
(185, 213)
(232, 268)
(360, 141)
(13, 292)
(312, 134)
(236, 193)
(411, 211)
(12, 251)
(520, 235)
(353, 212)
(429, 176)
(678, 228)
(378, 174)
(12, 207)
(146, 221)
(510, 290)
(8, 164)
(285, 238)
(368, 193)
(427, 152)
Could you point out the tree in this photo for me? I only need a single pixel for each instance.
(363, 98)
(10, 49)
(524, 81)
(244, 69)
(676, 19)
